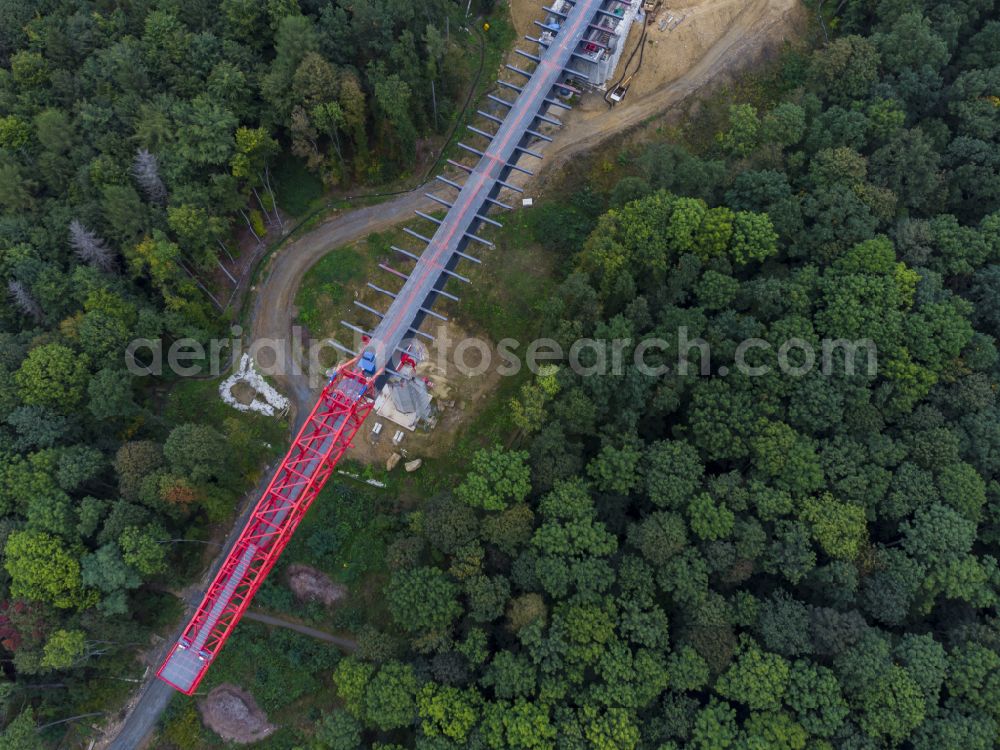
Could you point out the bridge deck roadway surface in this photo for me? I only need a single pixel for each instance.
(451, 236)
(185, 666)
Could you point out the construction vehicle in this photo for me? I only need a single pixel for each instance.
(618, 93)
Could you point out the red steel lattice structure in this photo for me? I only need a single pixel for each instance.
(342, 408)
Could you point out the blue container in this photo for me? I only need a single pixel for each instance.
(368, 363)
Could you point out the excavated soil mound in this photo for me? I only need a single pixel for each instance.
(244, 393)
(234, 715)
(309, 585)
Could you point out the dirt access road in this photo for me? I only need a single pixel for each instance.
(716, 39)
(274, 306)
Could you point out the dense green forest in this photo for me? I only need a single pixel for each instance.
(741, 562)
(138, 145)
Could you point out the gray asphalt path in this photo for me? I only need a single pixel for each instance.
(152, 702)
(347, 644)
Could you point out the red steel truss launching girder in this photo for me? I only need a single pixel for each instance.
(342, 408)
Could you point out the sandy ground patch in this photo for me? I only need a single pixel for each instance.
(522, 14)
(310, 585)
(674, 50)
(244, 393)
(234, 715)
(458, 397)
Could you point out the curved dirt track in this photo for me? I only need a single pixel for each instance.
(757, 26)
(345, 644)
(273, 307)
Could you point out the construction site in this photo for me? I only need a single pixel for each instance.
(642, 43)
(652, 43)
(583, 60)
(389, 347)
(706, 42)
(577, 47)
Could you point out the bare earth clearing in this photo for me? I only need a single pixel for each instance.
(457, 396)
(310, 585)
(234, 715)
(716, 40)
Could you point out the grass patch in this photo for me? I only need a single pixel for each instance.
(512, 289)
(297, 190)
(326, 286)
(499, 40)
(253, 438)
(278, 666)
(344, 535)
(513, 284)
